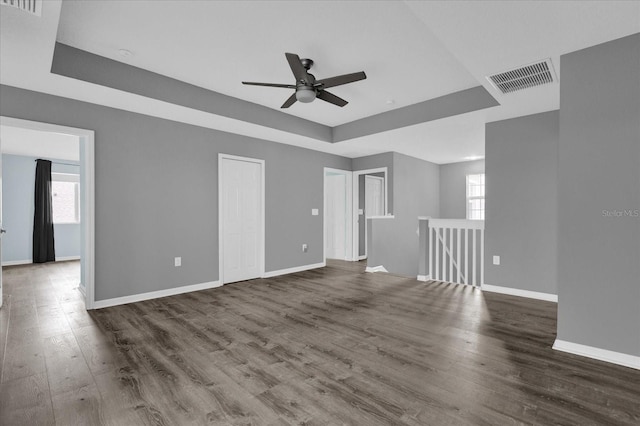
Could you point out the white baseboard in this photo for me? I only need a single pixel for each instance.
(293, 270)
(626, 360)
(28, 261)
(376, 269)
(16, 262)
(362, 257)
(522, 293)
(424, 277)
(154, 294)
(65, 258)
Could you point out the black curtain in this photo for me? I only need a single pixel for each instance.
(43, 244)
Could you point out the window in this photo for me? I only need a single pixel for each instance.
(65, 189)
(475, 197)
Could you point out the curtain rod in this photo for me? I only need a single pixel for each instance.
(59, 162)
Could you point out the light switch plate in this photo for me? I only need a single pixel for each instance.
(360, 211)
(177, 261)
(314, 212)
(496, 260)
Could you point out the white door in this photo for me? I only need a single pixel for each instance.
(374, 196)
(336, 220)
(241, 220)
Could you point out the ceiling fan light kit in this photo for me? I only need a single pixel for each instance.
(305, 94)
(307, 88)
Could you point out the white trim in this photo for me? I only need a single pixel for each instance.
(362, 257)
(87, 138)
(66, 177)
(382, 217)
(99, 304)
(356, 206)
(613, 357)
(424, 278)
(518, 292)
(455, 223)
(293, 270)
(222, 157)
(17, 262)
(65, 258)
(379, 268)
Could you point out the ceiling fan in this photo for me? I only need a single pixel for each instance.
(307, 87)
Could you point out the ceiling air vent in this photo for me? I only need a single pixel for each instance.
(532, 75)
(32, 6)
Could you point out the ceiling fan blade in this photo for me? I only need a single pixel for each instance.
(341, 79)
(296, 67)
(285, 86)
(292, 100)
(331, 98)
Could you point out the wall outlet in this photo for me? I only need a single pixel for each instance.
(496, 260)
(177, 261)
(305, 248)
(314, 212)
(360, 211)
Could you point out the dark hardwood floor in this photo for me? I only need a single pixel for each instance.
(333, 346)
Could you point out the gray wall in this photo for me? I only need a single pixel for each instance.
(521, 202)
(18, 173)
(599, 172)
(416, 193)
(453, 187)
(157, 195)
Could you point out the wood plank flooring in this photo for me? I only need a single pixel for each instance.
(333, 346)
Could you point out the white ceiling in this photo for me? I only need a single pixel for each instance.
(411, 52)
(34, 143)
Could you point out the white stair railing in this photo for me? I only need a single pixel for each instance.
(456, 250)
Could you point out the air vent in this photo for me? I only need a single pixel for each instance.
(32, 6)
(525, 77)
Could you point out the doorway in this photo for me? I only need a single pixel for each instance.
(337, 214)
(370, 200)
(83, 200)
(241, 218)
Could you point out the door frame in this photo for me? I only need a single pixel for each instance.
(87, 139)
(349, 207)
(356, 206)
(262, 243)
(366, 233)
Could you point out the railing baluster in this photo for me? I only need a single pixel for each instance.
(474, 280)
(450, 250)
(430, 236)
(466, 256)
(458, 262)
(481, 257)
(437, 241)
(443, 240)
